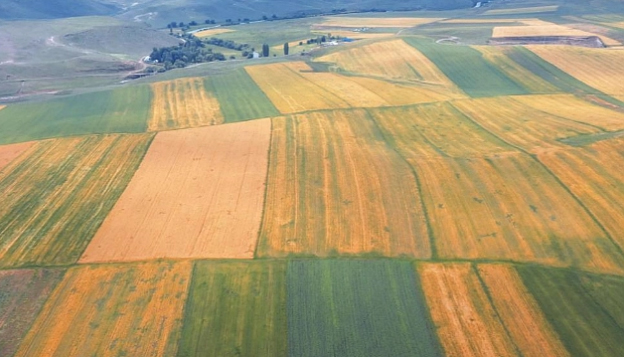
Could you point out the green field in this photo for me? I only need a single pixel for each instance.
(357, 308)
(119, 111)
(467, 68)
(235, 309)
(239, 97)
(585, 310)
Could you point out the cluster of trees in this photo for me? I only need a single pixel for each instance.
(321, 39)
(227, 44)
(191, 51)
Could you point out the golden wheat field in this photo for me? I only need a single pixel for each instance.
(212, 32)
(519, 312)
(598, 68)
(110, 310)
(197, 194)
(337, 21)
(538, 28)
(467, 325)
(183, 103)
(9, 153)
(335, 187)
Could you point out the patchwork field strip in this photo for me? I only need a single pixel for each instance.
(357, 308)
(103, 310)
(211, 32)
(236, 308)
(197, 194)
(497, 204)
(335, 187)
(183, 103)
(598, 68)
(22, 294)
(9, 153)
(585, 310)
(124, 110)
(55, 196)
(375, 22)
(538, 28)
(293, 87)
(356, 35)
(522, 10)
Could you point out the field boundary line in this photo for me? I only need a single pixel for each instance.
(266, 191)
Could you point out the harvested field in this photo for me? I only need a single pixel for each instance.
(594, 174)
(392, 60)
(520, 313)
(491, 202)
(373, 22)
(335, 187)
(529, 128)
(523, 10)
(527, 79)
(480, 21)
(197, 194)
(588, 325)
(22, 294)
(580, 41)
(538, 28)
(357, 308)
(236, 308)
(183, 103)
(56, 195)
(212, 32)
(466, 323)
(137, 309)
(293, 87)
(9, 153)
(598, 68)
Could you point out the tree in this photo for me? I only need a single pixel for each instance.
(173, 24)
(286, 49)
(193, 23)
(265, 50)
(181, 24)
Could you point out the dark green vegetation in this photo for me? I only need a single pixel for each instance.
(357, 308)
(236, 309)
(468, 69)
(123, 110)
(585, 310)
(240, 97)
(193, 50)
(22, 294)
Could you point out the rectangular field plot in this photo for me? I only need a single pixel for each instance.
(183, 103)
(9, 153)
(294, 87)
(538, 28)
(598, 68)
(518, 310)
(466, 322)
(357, 308)
(236, 308)
(239, 97)
(56, 195)
(119, 111)
(585, 310)
(383, 22)
(197, 194)
(483, 79)
(112, 310)
(335, 187)
(22, 294)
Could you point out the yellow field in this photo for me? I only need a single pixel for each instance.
(466, 323)
(133, 310)
(529, 128)
(212, 32)
(523, 10)
(535, 28)
(336, 187)
(183, 103)
(2, 106)
(337, 21)
(599, 68)
(594, 174)
(391, 60)
(498, 57)
(293, 87)
(520, 313)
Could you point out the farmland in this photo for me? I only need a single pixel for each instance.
(212, 32)
(10, 152)
(183, 103)
(357, 308)
(537, 28)
(58, 192)
(328, 194)
(198, 193)
(357, 22)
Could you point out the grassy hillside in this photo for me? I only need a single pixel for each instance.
(50, 9)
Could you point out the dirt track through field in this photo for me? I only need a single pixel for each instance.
(198, 194)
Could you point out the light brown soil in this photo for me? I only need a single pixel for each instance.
(198, 194)
(10, 152)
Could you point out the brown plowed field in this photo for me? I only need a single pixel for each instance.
(336, 187)
(10, 152)
(466, 322)
(183, 103)
(520, 313)
(197, 194)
